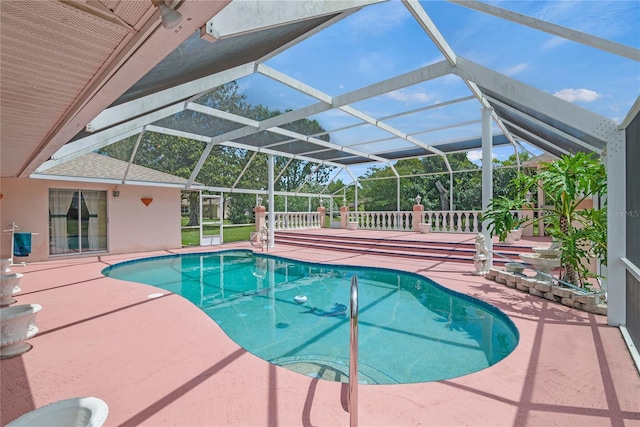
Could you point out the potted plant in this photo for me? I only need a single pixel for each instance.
(503, 221)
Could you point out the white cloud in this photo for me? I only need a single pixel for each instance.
(552, 43)
(474, 155)
(367, 22)
(516, 69)
(405, 95)
(577, 95)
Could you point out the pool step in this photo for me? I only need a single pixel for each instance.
(424, 249)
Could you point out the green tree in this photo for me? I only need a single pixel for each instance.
(178, 156)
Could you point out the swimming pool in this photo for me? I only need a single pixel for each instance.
(410, 328)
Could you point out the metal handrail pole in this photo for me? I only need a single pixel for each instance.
(353, 355)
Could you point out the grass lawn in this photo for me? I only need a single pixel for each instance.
(191, 236)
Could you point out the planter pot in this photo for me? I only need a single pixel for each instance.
(424, 227)
(78, 412)
(9, 285)
(517, 234)
(17, 324)
(515, 267)
(5, 265)
(511, 238)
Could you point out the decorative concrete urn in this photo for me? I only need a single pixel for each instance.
(424, 227)
(481, 256)
(5, 265)
(543, 264)
(74, 412)
(17, 324)
(480, 263)
(9, 285)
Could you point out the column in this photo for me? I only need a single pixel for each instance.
(261, 217)
(487, 176)
(344, 216)
(417, 217)
(616, 274)
(322, 211)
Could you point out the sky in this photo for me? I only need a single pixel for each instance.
(384, 40)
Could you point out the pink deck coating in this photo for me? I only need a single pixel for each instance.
(163, 362)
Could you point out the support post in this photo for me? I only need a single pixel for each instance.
(616, 280)
(487, 177)
(271, 203)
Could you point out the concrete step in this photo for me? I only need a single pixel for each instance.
(433, 250)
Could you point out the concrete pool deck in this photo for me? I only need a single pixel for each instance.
(163, 362)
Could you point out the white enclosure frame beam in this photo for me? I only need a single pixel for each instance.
(243, 17)
(308, 90)
(487, 177)
(109, 136)
(284, 168)
(429, 27)
(590, 123)
(308, 177)
(547, 127)
(557, 30)
(530, 137)
(253, 156)
(176, 94)
(133, 154)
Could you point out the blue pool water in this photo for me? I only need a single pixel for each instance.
(410, 328)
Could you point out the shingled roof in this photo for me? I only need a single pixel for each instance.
(99, 168)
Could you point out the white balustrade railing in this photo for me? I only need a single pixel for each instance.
(453, 221)
(441, 221)
(295, 220)
(382, 220)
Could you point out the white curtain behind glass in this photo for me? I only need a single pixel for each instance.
(59, 204)
(91, 199)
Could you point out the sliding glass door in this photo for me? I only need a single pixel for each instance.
(77, 221)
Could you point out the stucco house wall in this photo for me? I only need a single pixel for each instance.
(132, 226)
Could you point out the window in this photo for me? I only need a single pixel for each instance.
(77, 221)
